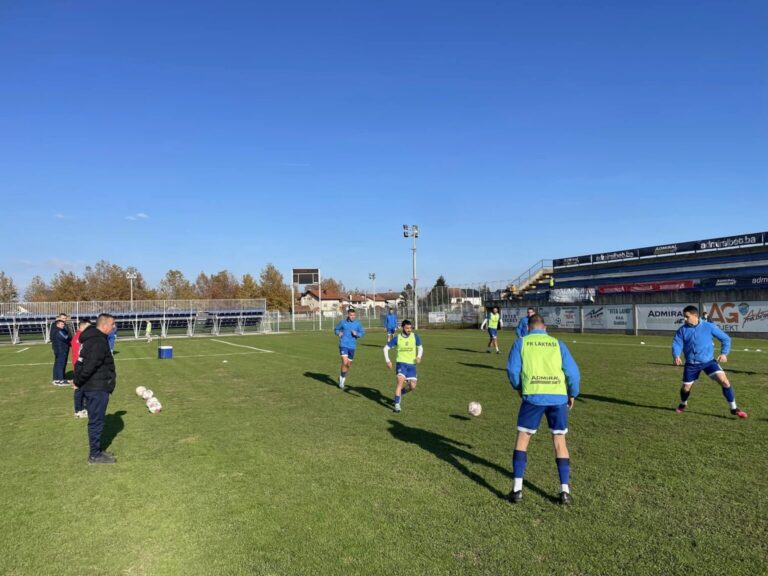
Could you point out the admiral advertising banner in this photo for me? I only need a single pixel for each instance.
(735, 282)
(660, 316)
(561, 316)
(609, 318)
(738, 316)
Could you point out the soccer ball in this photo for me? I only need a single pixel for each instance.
(140, 390)
(154, 406)
(475, 409)
(147, 394)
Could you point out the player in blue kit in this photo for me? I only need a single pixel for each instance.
(409, 353)
(390, 324)
(694, 339)
(522, 324)
(348, 331)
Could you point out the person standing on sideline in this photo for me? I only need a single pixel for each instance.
(80, 411)
(348, 331)
(694, 339)
(60, 342)
(111, 337)
(390, 324)
(148, 331)
(409, 353)
(95, 375)
(522, 324)
(493, 321)
(547, 378)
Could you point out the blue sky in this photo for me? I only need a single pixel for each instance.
(212, 135)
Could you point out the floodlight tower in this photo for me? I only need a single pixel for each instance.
(131, 276)
(413, 232)
(372, 278)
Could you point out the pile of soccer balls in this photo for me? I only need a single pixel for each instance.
(153, 404)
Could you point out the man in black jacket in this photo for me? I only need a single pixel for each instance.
(95, 375)
(60, 342)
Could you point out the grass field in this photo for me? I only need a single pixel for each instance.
(260, 465)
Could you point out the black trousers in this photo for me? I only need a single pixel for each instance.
(97, 412)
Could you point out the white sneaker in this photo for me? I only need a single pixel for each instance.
(81, 414)
(397, 407)
(341, 385)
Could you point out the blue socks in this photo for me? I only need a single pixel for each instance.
(397, 399)
(729, 395)
(684, 396)
(564, 470)
(519, 461)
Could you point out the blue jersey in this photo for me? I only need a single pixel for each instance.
(390, 322)
(570, 370)
(348, 326)
(522, 327)
(696, 342)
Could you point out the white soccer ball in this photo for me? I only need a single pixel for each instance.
(642, 343)
(140, 390)
(154, 406)
(475, 409)
(147, 394)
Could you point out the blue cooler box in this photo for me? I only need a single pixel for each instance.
(165, 352)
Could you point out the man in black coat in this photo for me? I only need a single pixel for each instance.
(60, 342)
(95, 375)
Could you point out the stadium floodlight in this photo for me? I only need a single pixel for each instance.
(131, 276)
(413, 232)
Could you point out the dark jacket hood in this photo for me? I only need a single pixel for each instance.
(91, 332)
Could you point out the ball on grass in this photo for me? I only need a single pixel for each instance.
(475, 409)
(147, 394)
(140, 390)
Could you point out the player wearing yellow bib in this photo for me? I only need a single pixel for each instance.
(493, 321)
(543, 372)
(409, 352)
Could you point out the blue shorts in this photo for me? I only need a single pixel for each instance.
(691, 371)
(391, 331)
(492, 332)
(348, 352)
(530, 415)
(407, 370)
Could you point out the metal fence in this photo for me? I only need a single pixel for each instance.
(29, 321)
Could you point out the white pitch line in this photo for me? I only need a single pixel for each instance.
(242, 346)
(22, 350)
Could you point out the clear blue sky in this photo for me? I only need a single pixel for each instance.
(212, 135)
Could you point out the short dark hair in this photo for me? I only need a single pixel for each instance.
(536, 320)
(691, 310)
(531, 309)
(103, 317)
(405, 323)
(84, 321)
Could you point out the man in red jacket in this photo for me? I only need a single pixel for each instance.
(80, 411)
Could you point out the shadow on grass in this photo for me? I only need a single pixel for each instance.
(113, 425)
(371, 394)
(466, 350)
(727, 369)
(460, 417)
(622, 402)
(449, 451)
(373, 345)
(486, 366)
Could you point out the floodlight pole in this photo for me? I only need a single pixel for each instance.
(413, 232)
(320, 298)
(372, 278)
(131, 276)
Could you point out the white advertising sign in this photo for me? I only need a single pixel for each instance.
(613, 317)
(437, 317)
(738, 316)
(511, 316)
(660, 316)
(561, 316)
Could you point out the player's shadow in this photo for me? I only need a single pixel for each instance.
(371, 394)
(486, 366)
(452, 452)
(611, 400)
(466, 350)
(324, 378)
(373, 345)
(727, 368)
(460, 417)
(113, 425)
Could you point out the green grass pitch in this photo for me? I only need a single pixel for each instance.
(260, 465)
